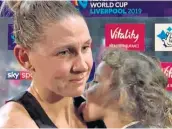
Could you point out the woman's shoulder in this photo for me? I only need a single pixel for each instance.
(14, 115)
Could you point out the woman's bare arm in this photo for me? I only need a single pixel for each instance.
(13, 115)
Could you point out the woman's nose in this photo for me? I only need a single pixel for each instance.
(80, 65)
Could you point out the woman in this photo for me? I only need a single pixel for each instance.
(128, 91)
(54, 45)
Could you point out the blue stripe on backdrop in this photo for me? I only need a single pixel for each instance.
(91, 77)
(6, 12)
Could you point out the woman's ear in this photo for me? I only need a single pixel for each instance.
(22, 55)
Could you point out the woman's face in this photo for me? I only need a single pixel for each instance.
(96, 93)
(63, 61)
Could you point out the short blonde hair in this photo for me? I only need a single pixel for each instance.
(141, 77)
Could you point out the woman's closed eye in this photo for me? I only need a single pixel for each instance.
(95, 82)
(91, 84)
(93, 87)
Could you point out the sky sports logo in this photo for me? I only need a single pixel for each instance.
(18, 75)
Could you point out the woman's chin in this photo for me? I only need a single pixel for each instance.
(88, 119)
(77, 93)
(84, 110)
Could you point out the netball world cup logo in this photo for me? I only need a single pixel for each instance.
(80, 4)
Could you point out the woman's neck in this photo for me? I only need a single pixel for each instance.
(60, 109)
(117, 119)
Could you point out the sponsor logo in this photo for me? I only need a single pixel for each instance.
(129, 36)
(167, 69)
(163, 37)
(18, 75)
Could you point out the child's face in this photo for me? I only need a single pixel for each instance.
(96, 94)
